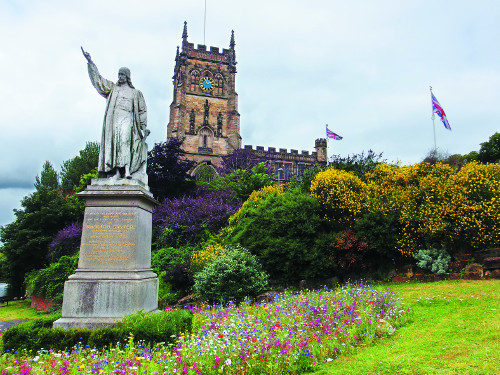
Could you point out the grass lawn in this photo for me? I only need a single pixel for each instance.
(18, 310)
(455, 330)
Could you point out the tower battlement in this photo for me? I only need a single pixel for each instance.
(201, 53)
(283, 154)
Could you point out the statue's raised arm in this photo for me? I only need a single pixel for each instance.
(86, 55)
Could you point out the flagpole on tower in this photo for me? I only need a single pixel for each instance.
(204, 22)
(433, 125)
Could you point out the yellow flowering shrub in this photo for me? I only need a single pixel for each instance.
(475, 202)
(342, 194)
(254, 199)
(438, 205)
(209, 252)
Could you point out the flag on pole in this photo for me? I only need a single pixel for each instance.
(436, 108)
(332, 135)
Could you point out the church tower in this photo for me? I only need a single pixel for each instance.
(204, 110)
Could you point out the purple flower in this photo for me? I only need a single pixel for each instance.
(66, 242)
(188, 217)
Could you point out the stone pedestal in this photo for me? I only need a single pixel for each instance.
(114, 276)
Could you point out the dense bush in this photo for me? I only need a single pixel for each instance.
(49, 282)
(158, 327)
(107, 337)
(431, 259)
(174, 274)
(437, 205)
(341, 194)
(150, 327)
(286, 232)
(234, 275)
(351, 254)
(66, 242)
(381, 230)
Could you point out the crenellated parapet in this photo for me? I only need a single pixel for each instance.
(287, 164)
(283, 154)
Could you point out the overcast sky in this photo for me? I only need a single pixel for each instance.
(363, 67)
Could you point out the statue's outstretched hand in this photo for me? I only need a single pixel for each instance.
(86, 55)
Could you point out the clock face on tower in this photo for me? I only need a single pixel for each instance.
(207, 84)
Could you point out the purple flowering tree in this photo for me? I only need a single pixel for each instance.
(185, 220)
(65, 242)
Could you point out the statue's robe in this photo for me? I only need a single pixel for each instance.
(123, 137)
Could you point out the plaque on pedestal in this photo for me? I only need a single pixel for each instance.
(114, 276)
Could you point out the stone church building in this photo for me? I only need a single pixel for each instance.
(204, 112)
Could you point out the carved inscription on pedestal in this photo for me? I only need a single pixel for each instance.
(109, 238)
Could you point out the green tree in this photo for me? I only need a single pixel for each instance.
(241, 183)
(490, 151)
(358, 164)
(26, 239)
(48, 177)
(303, 183)
(287, 234)
(74, 168)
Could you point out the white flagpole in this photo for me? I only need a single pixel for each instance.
(204, 22)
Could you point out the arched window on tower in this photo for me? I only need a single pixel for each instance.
(206, 140)
(195, 78)
(219, 84)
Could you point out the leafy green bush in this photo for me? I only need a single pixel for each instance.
(24, 335)
(49, 282)
(150, 327)
(351, 253)
(288, 235)
(381, 229)
(234, 275)
(431, 259)
(107, 337)
(157, 327)
(172, 267)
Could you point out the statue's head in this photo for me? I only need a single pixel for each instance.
(124, 77)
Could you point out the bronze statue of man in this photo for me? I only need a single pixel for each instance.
(123, 152)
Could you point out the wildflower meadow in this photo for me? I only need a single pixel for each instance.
(292, 334)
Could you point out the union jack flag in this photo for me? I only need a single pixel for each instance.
(332, 135)
(436, 108)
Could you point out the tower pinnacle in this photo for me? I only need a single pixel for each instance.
(185, 33)
(232, 43)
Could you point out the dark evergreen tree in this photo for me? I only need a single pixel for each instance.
(168, 171)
